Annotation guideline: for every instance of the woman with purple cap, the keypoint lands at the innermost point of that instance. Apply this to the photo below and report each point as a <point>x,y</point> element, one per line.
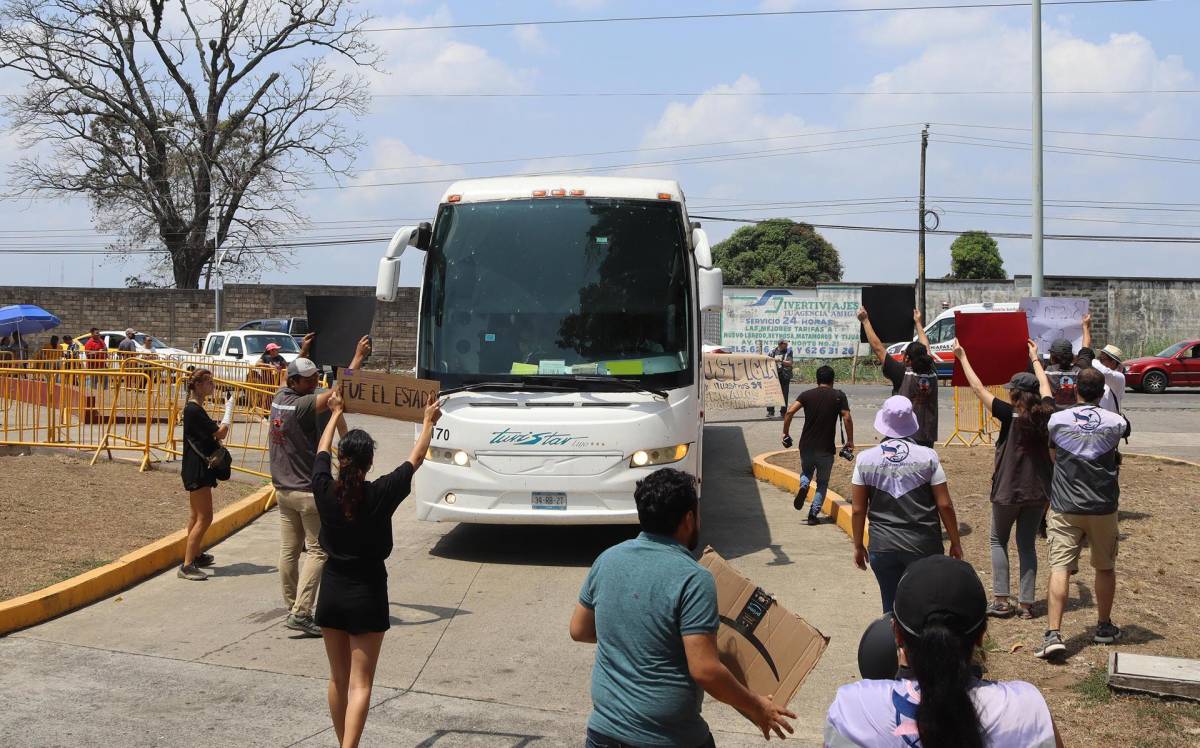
<point>900,486</point>
<point>940,619</point>
<point>1021,477</point>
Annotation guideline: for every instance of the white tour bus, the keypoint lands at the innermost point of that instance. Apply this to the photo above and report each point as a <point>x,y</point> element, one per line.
<point>562,317</point>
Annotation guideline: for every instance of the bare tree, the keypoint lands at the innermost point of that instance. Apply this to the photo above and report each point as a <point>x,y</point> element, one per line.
<point>190,125</point>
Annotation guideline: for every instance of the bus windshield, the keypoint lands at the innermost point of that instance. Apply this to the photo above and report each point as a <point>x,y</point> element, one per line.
<point>576,287</point>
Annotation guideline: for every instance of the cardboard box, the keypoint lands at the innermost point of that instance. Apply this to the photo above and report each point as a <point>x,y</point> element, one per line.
<point>389,395</point>
<point>768,648</point>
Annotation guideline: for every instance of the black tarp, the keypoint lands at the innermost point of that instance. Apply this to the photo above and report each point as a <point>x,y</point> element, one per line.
<point>339,323</point>
<point>891,312</point>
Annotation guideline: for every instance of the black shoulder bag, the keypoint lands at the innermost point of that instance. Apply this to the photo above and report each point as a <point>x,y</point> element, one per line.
<point>219,462</point>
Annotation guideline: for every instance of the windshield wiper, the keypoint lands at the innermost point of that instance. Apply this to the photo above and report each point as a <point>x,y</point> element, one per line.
<point>508,386</point>
<point>632,385</point>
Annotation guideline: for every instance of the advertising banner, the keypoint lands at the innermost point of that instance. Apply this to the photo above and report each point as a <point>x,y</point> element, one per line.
<point>736,380</point>
<point>1052,318</point>
<point>817,322</point>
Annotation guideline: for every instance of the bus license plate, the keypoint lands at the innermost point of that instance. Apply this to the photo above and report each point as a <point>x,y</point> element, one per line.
<point>549,500</point>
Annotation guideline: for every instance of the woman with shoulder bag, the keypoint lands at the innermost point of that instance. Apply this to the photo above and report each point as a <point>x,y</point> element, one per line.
<point>205,462</point>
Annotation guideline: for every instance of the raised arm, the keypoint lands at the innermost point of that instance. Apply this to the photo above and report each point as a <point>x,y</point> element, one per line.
<point>1043,381</point>
<point>1087,330</point>
<point>361,352</point>
<point>919,323</point>
<point>981,392</point>
<point>873,340</point>
<point>336,409</point>
<point>432,413</point>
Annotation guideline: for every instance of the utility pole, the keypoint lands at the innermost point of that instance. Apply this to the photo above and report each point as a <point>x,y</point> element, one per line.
<point>1037,279</point>
<point>921,227</point>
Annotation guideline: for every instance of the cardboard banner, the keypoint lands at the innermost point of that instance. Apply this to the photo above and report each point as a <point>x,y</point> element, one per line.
<point>996,343</point>
<point>389,395</point>
<point>817,322</point>
<point>1051,318</point>
<point>736,380</point>
<point>339,323</point>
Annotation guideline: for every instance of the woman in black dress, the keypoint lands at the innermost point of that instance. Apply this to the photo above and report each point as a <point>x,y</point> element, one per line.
<point>201,433</point>
<point>356,533</point>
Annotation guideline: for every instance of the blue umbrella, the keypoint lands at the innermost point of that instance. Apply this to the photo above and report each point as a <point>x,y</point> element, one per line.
<point>26,319</point>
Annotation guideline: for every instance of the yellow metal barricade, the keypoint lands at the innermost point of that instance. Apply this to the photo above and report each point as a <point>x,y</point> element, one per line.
<point>973,424</point>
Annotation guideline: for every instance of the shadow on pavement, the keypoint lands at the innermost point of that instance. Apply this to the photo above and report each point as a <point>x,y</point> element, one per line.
<point>731,518</point>
<point>531,545</point>
<point>243,569</point>
<point>425,614</point>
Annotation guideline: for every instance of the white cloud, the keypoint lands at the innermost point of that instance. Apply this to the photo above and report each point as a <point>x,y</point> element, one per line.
<point>530,39</point>
<point>913,27</point>
<point>713,116</point>
<point>438,62</point>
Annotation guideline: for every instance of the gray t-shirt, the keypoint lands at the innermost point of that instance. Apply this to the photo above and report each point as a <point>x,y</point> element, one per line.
<point>1086,465</point>
<point>648,593</point>
<point>128,345</point>
<point>295,429</point>
<point>899,476</point>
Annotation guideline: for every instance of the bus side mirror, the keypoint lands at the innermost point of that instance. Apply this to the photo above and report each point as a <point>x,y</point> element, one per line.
<point>387,282</point>
<point>711,286</point>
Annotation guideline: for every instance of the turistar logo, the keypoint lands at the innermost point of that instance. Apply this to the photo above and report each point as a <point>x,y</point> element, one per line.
<point>532,438</point>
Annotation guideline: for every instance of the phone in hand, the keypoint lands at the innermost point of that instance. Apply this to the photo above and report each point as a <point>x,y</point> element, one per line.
<point>787,441</point>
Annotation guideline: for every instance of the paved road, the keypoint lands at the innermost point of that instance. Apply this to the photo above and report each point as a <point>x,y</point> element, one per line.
<point>478,653</point>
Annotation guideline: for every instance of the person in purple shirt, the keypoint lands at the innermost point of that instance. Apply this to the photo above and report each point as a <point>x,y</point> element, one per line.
<point>940,618</point>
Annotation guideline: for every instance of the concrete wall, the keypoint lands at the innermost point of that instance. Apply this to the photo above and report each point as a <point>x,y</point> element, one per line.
<point>180,317</point>
<point>1137,314</point>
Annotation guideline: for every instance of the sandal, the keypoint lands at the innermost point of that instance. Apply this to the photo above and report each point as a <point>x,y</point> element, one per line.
<point>999,610</point>
<point>1025,612</point>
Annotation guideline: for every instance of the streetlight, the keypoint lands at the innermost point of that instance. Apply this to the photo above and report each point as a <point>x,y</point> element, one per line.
<point>220,252</point>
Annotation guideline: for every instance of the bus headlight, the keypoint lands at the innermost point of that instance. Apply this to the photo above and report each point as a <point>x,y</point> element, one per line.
<point>658,456</point>
<point>445,456</point>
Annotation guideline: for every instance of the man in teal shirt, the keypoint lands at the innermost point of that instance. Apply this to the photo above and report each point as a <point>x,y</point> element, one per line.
<point>652,611</point>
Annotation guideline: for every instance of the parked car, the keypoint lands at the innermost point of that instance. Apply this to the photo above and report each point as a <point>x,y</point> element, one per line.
<point>297,327</point>
<point>246,346</point>
<point>113,338</point>
<point>942,336</point>
<point>1176,366</point>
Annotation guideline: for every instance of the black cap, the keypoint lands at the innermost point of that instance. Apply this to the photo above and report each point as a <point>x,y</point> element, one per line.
<point>1023,381</point>
<point>940,584</point>
<point>1062,346</point>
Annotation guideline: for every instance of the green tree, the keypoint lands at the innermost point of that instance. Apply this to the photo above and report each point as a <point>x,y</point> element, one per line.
<point>974,255</point>
<point>780,253</point>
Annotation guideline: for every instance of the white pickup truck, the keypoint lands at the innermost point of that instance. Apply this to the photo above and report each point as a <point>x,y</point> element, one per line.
<point>242,347</point>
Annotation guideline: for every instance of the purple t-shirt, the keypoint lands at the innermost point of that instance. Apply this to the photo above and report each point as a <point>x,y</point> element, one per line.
<point>883,714</point>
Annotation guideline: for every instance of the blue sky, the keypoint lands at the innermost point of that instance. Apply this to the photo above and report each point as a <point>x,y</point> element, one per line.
<point>846,149</point>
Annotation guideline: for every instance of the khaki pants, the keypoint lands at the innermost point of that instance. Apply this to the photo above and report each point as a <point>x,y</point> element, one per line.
<point>1066,533</point>
<point>300,527</point>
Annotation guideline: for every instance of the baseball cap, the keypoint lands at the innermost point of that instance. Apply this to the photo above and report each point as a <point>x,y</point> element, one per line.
<point>940,584</point>
<point>271,347</point>
<point>301,367</point>
<point>1023,381</point>
<point>130,332</point>
<point>1062,346</point>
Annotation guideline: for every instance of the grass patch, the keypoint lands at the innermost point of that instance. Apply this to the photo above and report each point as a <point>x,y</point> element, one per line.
<point>75,568</point>
<point>868,371</point>
<point>1094,687</point>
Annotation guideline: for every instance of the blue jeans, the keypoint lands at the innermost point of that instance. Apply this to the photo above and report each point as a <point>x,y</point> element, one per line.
<point>889,566</point>
<point>815,465</point>
<point>600,740</point>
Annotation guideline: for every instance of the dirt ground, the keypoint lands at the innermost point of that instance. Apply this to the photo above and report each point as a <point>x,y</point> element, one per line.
<point>60,517</point>
<point>1158,582</point>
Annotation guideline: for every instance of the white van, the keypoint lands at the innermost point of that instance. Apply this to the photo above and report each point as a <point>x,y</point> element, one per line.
<point>942,336</point>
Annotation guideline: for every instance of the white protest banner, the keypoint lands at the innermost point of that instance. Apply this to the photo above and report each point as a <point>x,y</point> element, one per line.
<point>1051,318</point>
<point>735,380</point>
<point>817,322</point>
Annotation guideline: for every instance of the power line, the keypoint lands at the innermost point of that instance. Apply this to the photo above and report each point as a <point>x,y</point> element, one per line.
<point>685,94</point>
<point>1070,132</point>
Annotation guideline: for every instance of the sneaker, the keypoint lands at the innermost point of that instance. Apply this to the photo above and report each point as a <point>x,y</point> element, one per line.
<point>203,560</point>
<point>1052,646</point>
<point>1106,633</point>
<point>303,624</point>
<point>191,572</point>
<point>811,521</point>
<point>798,502</point>
<point>770,412</point>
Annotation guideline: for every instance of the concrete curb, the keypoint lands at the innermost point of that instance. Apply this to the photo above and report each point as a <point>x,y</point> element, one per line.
<point>1164,459</point>
<point>76,592</point>
<point>835,506</point>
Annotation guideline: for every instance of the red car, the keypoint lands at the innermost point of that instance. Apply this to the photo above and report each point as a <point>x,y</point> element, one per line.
<point>1177,366</point>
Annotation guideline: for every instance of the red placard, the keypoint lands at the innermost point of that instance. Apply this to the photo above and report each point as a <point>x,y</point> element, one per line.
<point>996,343</point>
